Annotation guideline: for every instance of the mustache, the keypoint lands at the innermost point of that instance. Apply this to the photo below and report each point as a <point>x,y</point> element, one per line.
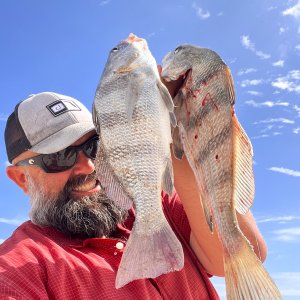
<point>77,181</point>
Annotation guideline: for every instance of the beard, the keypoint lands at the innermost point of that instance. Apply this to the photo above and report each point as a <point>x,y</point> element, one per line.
<point>85,217</point>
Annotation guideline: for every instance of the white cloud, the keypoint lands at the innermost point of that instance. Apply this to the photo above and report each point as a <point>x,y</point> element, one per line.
<point>293,11</point>
<point>220,14</point>
<point>1,241</point>
<point>266,103</point>
<point>245,40</point>
<point>254,93</point>
<point>297,47</point>
<point>14,221</point>
<point>7,163</point>
<point>288,234</point>
<point>288,283</point>
<point>3,117</point>
<point>296,130</point>
<point>150,35</point>
<point>281,30</point>
<point>248,82</point>
<point>260,137</point>
<point>278,219</point>
<point>279,63</point>
<point>297,109</point>
<point>272,8</point>
<point>200,12</point>
<point>278,120</point>
<point>246,71</point>
<point>104,2</point>
<point>289,82</point>
<point>285,171</point>
<point>299,29</point>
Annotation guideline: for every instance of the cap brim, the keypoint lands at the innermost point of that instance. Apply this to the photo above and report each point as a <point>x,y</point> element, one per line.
<point>63,138</point>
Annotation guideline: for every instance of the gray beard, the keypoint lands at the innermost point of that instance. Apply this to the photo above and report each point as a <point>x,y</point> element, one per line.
<point>86,217</point>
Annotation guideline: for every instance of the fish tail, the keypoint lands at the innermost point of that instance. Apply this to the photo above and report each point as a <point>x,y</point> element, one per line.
<point>148,256</point>
<point>246,278</point>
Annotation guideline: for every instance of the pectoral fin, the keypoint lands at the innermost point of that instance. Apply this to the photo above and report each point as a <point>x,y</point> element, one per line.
<point>242,169</point>
<point>168,178</point>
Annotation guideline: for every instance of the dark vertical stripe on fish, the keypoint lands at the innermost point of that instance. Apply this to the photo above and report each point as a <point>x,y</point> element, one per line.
<point>214,143</point>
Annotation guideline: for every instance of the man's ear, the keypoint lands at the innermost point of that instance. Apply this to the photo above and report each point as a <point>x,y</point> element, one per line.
<point>17,175</point>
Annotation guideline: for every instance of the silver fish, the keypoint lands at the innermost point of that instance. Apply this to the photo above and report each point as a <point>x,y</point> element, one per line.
<point>132,113</point>
<point>220,154</point>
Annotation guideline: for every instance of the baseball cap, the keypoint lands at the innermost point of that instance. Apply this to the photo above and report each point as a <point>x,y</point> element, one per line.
<point>46,123</point>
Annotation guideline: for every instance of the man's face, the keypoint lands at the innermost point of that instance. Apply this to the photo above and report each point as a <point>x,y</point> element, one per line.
<point>72,201</point>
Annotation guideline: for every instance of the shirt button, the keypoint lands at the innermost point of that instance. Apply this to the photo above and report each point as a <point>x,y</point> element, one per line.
<point>119,245</point>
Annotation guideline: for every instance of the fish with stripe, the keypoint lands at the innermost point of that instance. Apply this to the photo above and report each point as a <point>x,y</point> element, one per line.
<point>220,155</point>
<point>133,112</point>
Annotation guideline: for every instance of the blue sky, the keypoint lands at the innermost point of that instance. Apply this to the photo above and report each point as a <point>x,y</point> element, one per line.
<point>62,46</point>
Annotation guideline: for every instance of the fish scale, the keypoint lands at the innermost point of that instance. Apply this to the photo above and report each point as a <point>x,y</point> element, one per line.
<point>132,112</point>
<point>220,155</point>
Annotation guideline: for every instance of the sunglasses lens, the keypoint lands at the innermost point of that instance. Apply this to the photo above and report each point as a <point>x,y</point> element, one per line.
<point>60,161</point>
<point>90,148</point>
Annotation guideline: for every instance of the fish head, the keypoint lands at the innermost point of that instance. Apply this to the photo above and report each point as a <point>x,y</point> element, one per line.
<point>127,56</point>
<point>187,58</point>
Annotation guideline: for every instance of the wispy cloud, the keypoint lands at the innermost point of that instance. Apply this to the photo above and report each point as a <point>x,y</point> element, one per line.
<point>297,109</point>
<point>278,120</point>
<point>282,30</point>
<point>266,103</point>
<point>279,63</point>
<point>252,82</point>
<point>285,171</point>
<point>246,71</point>
<point>14,221</point>
<point>288,234</point>
<point>280,219</point>
<point>290,82</point>
<point>3,117</point>
<point>7,163</point>
<point>254,93</point>
<point>297,47</point>
<point>288,283</point>
<point>293,11</point>
<point>200,12</point>
<point>296,130</point>
<point>245,40</point>
<point>104,2</point>
<point>150,35</point>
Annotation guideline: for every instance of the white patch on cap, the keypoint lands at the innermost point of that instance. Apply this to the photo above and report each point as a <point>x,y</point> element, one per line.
<point>61,106</point>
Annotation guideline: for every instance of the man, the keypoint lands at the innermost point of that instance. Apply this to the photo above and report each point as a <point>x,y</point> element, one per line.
<point>73,244</point>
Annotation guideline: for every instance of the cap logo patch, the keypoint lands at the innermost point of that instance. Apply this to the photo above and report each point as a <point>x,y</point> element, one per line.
<point>61,106</point>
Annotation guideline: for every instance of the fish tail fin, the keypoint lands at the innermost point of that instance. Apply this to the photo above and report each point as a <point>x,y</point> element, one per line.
<point>150,255</point>
<point>246,278</point>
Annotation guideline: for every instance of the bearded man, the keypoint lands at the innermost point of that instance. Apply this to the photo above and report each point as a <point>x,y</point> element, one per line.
<point>72,246</point>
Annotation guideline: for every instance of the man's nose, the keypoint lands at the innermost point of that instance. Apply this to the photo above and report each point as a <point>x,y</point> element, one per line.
<point>84,165</point>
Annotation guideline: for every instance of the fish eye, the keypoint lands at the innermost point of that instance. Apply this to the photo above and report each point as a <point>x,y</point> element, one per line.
<point>177,49</point>
<point>115,49</point>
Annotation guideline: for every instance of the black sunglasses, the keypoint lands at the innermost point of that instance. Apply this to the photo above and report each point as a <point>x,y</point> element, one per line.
<point>64,159</point>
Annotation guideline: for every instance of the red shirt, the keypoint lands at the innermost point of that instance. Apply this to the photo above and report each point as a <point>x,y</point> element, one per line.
<point>42,263</point>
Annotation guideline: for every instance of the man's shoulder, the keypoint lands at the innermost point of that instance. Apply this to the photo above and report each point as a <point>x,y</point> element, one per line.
<point>28,240</point>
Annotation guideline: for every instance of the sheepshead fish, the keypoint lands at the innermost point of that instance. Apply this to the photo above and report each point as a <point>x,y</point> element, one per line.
<point>220,155</point>
<point>132,113</point>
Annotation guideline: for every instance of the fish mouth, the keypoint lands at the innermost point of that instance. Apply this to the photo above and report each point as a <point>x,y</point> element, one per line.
<point>177,82</point>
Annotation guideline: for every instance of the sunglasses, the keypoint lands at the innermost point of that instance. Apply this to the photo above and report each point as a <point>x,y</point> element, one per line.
<point>64,159</point>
